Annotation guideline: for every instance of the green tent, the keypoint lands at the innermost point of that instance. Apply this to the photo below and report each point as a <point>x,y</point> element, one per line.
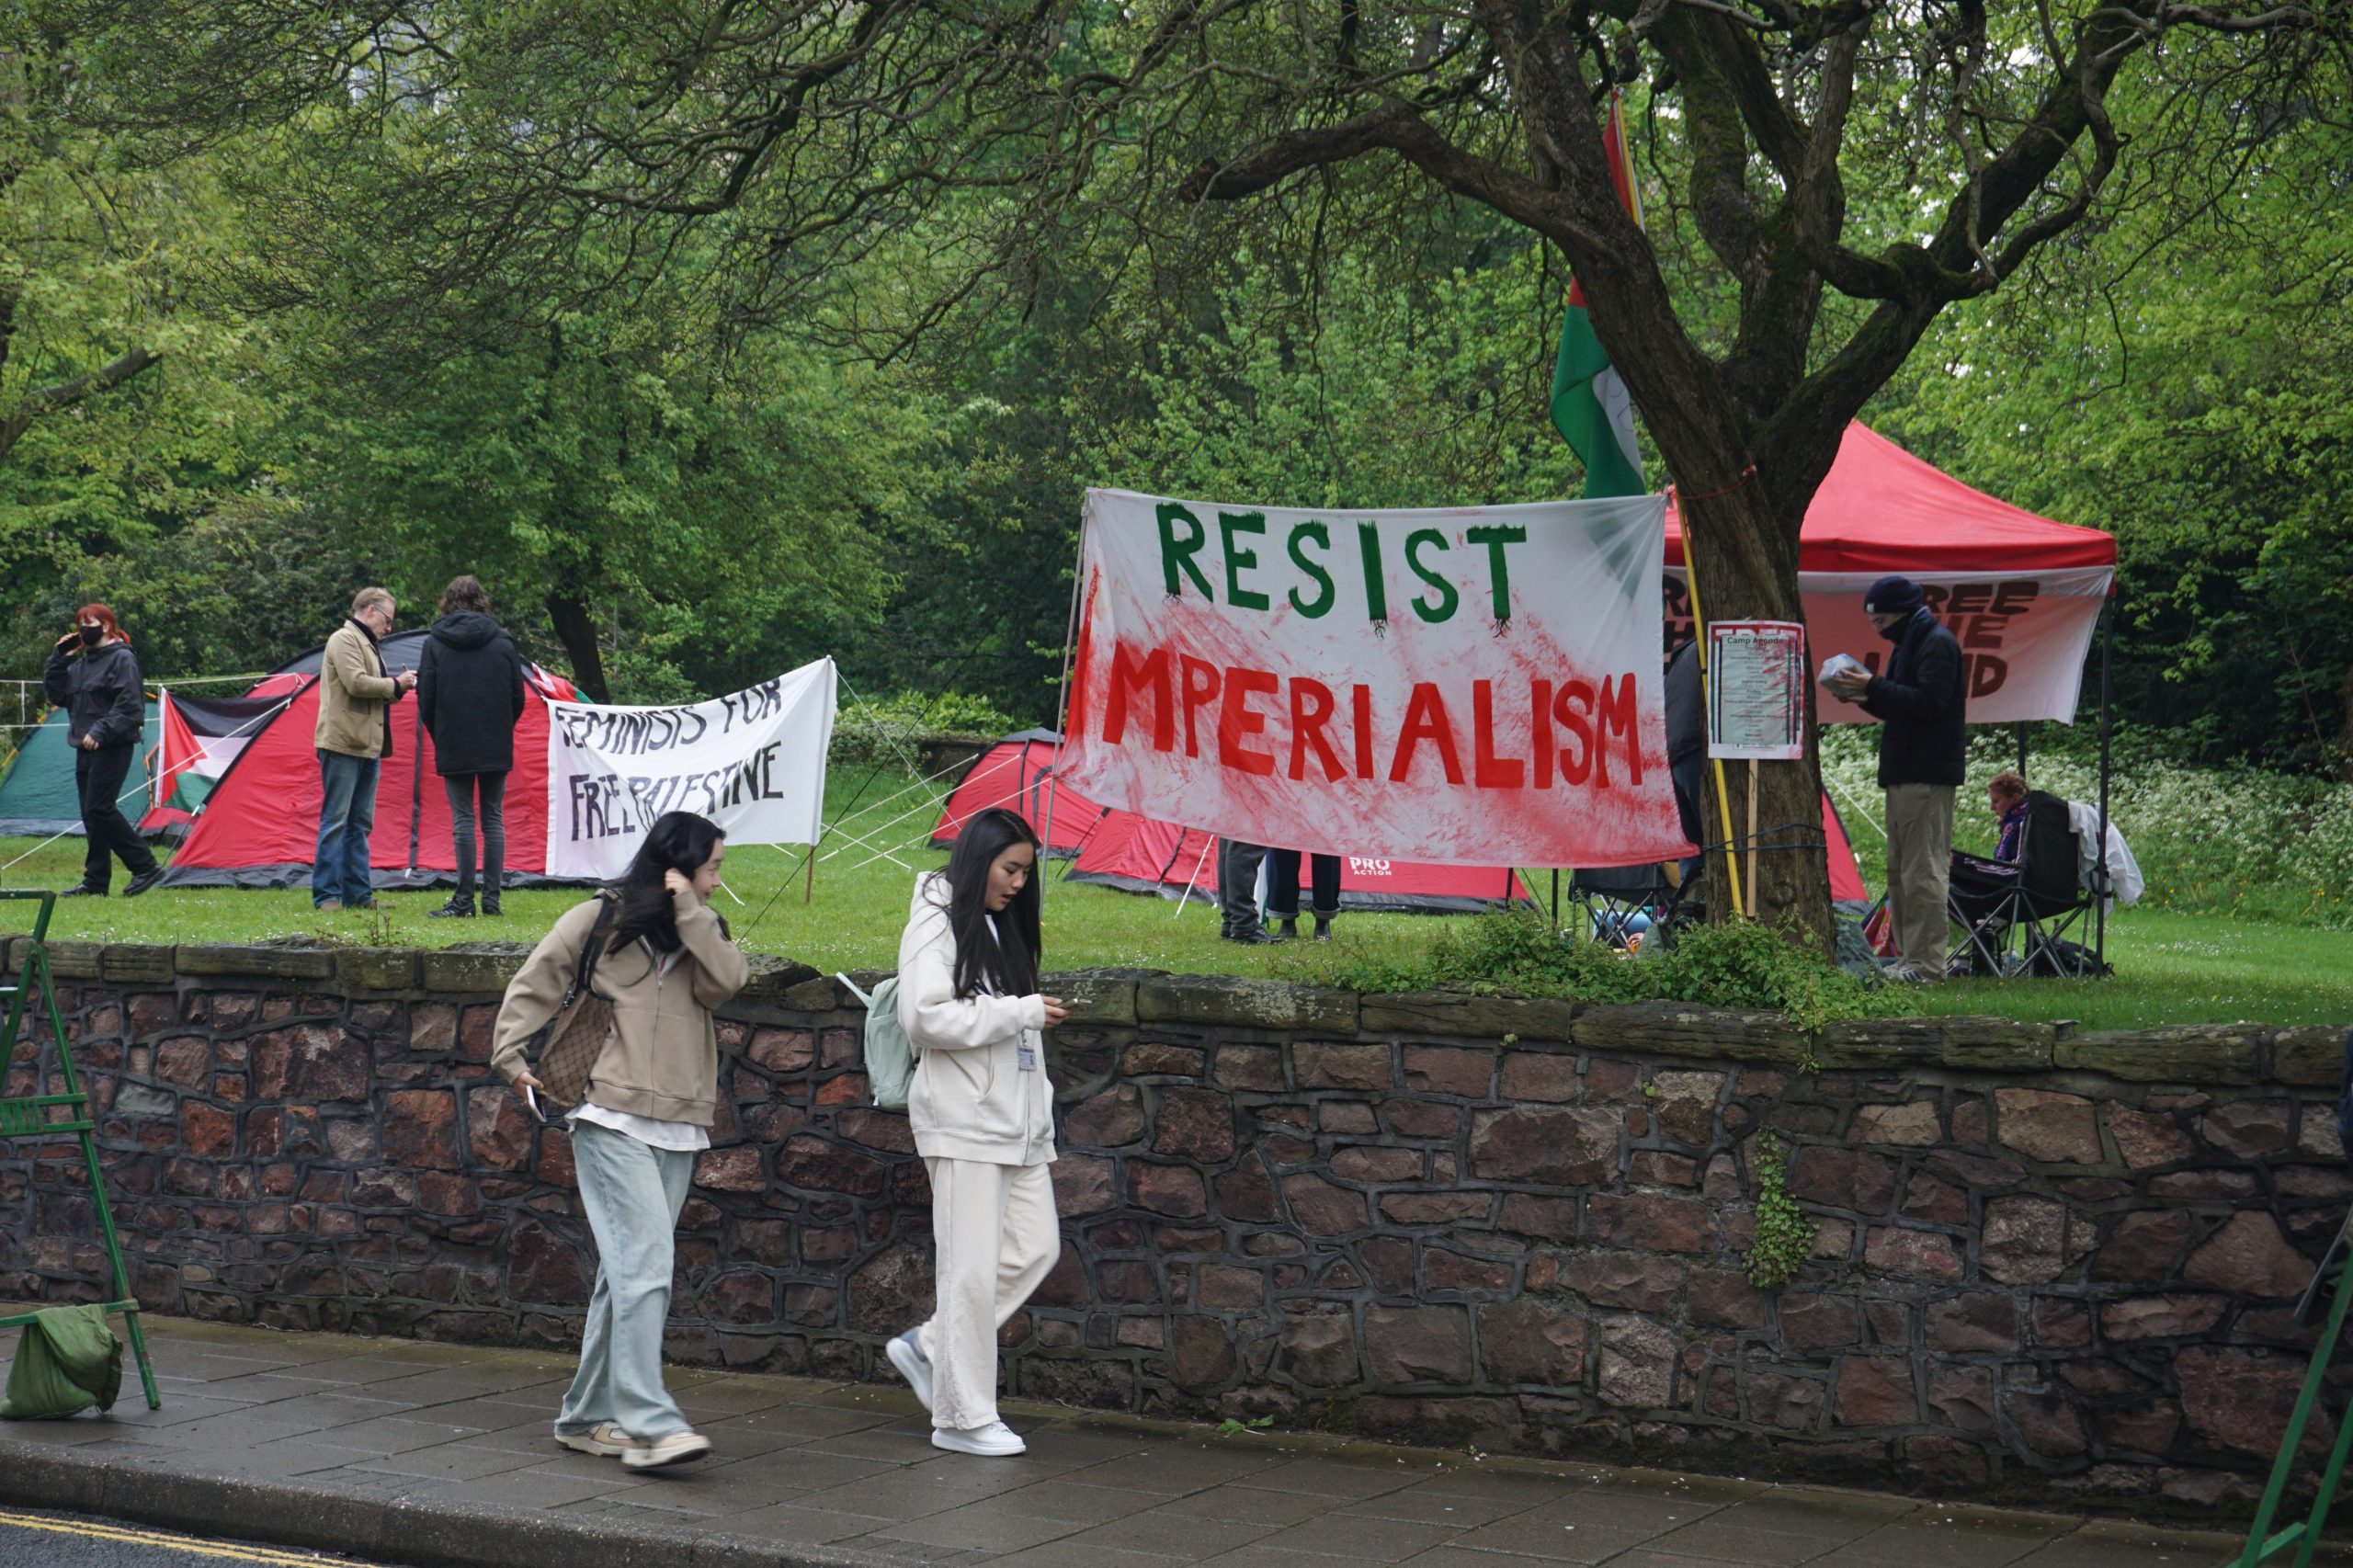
<point>37,793</point>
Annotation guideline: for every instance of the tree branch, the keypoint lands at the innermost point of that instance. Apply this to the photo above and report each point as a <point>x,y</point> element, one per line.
<point>65,394</point>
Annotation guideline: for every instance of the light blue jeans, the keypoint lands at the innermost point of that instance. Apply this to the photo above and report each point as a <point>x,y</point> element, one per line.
<point>633,1192</point>
<point>346,814</point>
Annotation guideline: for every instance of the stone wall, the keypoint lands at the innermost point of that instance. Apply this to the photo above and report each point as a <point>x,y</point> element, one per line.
<point>2048,1264</point>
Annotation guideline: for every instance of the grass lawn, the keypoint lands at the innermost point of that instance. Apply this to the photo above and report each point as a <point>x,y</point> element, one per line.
<point>2171,968</point>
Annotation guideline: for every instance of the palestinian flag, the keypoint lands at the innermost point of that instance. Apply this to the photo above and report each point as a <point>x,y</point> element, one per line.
<point>1590,407</point>
<point>202,735</point>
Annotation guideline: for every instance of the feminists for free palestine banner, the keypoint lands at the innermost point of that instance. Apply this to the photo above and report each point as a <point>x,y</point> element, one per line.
<point>754,762</point>
<point>1469,686</point>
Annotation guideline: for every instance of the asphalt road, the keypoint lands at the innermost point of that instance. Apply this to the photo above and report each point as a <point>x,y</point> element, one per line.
<point>31,1539</point>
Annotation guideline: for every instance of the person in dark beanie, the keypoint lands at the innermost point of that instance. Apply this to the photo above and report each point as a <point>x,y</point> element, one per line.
<point>1922,757</point>
<point>93,675</point>
<point>470,693</point>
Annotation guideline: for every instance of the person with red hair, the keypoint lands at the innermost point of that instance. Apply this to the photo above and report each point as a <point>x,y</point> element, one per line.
<point>93,675</point>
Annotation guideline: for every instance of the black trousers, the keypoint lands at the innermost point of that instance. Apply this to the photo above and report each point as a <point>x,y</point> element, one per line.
<point>1282,895</point>
<point>99,778</point>
<point>1237,884</point>
<point>462,788</point>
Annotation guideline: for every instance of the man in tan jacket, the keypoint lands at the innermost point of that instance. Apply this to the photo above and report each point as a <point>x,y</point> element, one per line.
<point>354,736</point>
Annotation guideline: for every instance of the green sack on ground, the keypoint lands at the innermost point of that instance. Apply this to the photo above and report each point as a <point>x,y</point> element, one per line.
<point>67,1360</point>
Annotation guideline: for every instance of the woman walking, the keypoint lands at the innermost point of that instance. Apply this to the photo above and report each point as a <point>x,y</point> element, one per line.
<point>983,1117</point>
<point>470,694</point>
<point>93,675</point>
<point>652,1096</point>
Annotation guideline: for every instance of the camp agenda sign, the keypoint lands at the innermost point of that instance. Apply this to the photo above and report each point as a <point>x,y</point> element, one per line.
<point>753,761</point>
<point>1466,686</point>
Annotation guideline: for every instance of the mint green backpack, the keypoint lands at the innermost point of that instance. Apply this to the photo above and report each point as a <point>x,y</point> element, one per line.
<point>890,1054</point>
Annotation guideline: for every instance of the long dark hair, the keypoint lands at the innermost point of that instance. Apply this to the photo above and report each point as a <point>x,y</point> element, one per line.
<point>679,841</point>
<point>1007,962</point>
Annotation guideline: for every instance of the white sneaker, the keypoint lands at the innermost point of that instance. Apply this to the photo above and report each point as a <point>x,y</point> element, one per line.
<point>995,1440</point>
<point>671,1448</point>
<point>913,1364</point>
<point>604,1439</point>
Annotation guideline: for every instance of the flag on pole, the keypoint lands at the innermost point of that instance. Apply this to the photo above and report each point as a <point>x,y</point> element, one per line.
<point>1590,405</point>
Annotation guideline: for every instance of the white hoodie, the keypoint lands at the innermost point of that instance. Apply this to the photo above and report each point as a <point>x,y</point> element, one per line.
<point>970,1097</point>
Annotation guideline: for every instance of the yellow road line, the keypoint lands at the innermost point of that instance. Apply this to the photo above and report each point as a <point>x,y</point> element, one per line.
<point>129,1536</point>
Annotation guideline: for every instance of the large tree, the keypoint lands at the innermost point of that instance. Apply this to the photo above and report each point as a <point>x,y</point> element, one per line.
<point>816,132</point>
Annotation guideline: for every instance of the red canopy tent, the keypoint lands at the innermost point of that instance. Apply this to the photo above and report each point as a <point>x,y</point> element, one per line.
<point>2023,594</point>
<point>1883,510</point>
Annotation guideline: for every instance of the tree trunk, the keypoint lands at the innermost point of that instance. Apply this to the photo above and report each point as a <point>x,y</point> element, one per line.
<point>1743,562</point>
<point>568,613</point>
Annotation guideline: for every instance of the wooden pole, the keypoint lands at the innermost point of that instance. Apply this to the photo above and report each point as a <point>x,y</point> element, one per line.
<point>1752,838</point>
<point>809,887</point>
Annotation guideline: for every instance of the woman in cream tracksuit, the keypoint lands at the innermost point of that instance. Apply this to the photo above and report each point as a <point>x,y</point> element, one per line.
<point>983,1118</point>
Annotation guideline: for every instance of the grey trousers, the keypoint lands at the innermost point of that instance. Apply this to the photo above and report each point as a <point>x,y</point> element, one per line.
<point>633,1192</point>
<point>1237,884</point>
<point>1919,863</point>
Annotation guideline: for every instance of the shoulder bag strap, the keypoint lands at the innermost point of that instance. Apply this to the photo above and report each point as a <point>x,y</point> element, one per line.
<point>608,911</point>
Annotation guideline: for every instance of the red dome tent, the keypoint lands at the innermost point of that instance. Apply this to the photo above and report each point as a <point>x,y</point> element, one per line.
<point>1121,849</point>
<point>260,824</point>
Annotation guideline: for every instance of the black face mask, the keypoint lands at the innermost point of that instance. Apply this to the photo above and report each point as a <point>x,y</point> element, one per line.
<point>92,635</point>
<point>1894,630</point>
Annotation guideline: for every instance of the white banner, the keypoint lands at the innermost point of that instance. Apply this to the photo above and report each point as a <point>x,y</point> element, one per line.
<point>2023,635</point>
<point>1478,686</point>
<point>754,762</point>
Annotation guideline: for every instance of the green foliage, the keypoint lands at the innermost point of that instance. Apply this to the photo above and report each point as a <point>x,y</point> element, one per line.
<point>886,732</point>
<point>1784,1236</point>
<point>1737,964</point>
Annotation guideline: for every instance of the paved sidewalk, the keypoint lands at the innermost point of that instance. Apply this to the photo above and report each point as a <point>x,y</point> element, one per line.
<point>433,1455</point>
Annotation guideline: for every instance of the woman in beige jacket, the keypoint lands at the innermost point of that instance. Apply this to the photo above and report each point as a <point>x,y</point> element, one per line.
<point>983,1117</point>
<point>651,1100</point>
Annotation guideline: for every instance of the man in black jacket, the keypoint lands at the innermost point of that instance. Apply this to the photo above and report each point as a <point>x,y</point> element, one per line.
<point>1922,757</point>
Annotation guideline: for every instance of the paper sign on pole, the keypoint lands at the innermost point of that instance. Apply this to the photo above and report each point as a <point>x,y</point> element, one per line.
<point>1757,690</point>
<point>1470,687</point>
<point>754,762</point>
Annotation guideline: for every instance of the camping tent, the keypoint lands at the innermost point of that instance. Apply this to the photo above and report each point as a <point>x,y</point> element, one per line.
<point>37,793</point>
<point>400,651</point>
<point>200,737</point>
<point>1121,849</point>
<point>1018,773</point>
<point>260,824</point>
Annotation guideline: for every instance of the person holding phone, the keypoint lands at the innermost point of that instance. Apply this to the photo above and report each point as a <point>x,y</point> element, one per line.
<point>983,1112</point>
<point>353,736</point>
<point>652,1098</point>
<point>93,675</point>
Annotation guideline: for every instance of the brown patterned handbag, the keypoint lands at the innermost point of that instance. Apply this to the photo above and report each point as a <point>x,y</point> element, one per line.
<point>564,1053</point>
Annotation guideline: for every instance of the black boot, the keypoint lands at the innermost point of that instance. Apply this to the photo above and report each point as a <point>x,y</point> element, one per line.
<point>460,907</point>
<point>1288,928</point>
<point>83,889</point>
<point>1322,927</point>
<point>490,897</point>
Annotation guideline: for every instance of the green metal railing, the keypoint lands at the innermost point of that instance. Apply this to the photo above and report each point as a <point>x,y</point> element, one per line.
<point>2332,1285</point>
<point>30,1116</point>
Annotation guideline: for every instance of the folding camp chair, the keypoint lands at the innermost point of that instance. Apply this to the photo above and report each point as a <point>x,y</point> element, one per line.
<point>2023,927</point>
<point>1624,906</point>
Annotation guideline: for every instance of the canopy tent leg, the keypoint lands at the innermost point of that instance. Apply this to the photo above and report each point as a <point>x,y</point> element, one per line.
<point>2099,852</point>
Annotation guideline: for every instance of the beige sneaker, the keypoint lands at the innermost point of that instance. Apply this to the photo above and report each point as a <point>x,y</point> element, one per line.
<point>604,1439</point>
<point>671,1448</point>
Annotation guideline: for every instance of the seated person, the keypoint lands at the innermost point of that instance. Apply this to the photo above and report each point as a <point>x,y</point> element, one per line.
<point>1977,886</point>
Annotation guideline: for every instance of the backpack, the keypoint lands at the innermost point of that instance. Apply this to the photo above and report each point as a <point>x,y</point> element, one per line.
<point>890,1054</point>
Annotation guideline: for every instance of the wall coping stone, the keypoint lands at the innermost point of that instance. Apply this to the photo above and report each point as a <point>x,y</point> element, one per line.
<point>1524,1020</point>
<point>253,959</point>
<point>136,963</point>
<point>1245,1001</point>
<point>2172,1053</point>
<point>377,968</point>
<point>474,966</point>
